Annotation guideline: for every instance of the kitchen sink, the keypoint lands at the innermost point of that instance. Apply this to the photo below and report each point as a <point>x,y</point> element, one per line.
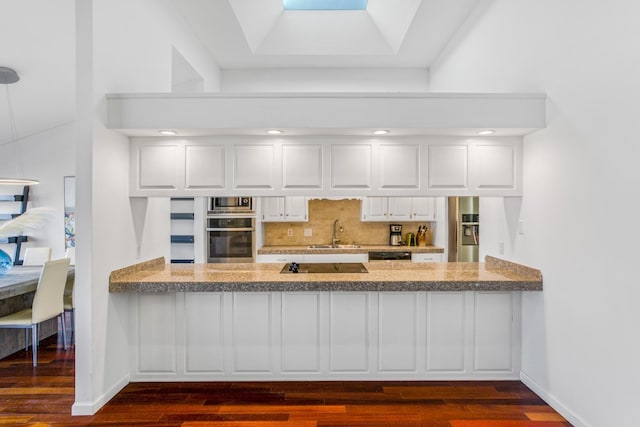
<point>334,247</point>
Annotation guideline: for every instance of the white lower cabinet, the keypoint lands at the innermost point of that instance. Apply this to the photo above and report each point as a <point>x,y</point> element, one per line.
<point>416,257</point>
<point>311,258</point>
<point>325,336</point>
<point>273,258</point>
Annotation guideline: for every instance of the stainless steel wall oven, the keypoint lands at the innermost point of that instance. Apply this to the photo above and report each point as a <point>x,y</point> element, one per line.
<point>231,239</point>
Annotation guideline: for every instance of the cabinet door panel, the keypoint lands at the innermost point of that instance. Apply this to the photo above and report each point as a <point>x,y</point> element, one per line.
<point>253,166</point>
<point>397,332</point>
<point>203,332</point>
<point>423,209</point>
<point>350,166</point>
<point>296,208</point>
<point>252,332</point>
<point>445,331</point>
<point>349,342</point>
<point>272,209</point>
<point>301,166</point>
<point>300,332</point>
<point>158,166</point>
<point>375,209</point>
<point>399,166</point>
<point>399,208</point>
<point>157,333</point>
<point>493,166</point>
<point>204,166</point>
<point>448,166</point>
<point>493,334</point>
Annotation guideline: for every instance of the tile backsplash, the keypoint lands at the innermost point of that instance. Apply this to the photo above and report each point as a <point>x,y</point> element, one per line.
<point>322,214</point>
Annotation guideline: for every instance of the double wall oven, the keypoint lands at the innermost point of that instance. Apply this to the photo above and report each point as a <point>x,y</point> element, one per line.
<point>230,230</point>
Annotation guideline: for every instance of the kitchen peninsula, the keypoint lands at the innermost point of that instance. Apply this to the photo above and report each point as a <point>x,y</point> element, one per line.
<point>396,321</point>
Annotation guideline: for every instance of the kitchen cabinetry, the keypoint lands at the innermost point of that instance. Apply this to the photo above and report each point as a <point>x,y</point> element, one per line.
<point>253,166</point>
<point>476,166</point>
<point>336,166</point>
<point>273,258</point>
<point>398,209</point>
<point>311,258</point>
<point>182,230</point>
<point>398,166</point>
<point>418,257</point>
<point>448,166</point>
<point>302,166</point>
<point>228,336</point>
<point>493,166</point>
<point>351,166</point>
<point>205,167</point>
<point>285,209</point>
<point>14,205</point>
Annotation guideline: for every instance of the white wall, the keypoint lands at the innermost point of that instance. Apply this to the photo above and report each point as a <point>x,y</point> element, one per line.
<point>325,80</point>
<point>123,46</point>
<point>580,346</point>
<point>48,157</point>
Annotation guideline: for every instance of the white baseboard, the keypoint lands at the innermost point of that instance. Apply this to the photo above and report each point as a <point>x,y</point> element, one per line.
<point>90,408</point>
<point>552,401</point>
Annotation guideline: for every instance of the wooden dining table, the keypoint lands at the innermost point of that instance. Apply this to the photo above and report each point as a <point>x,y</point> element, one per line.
<point>17,288</point>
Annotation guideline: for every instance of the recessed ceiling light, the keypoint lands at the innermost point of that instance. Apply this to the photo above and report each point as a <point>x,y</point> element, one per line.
<point>167,132</point>
<point>380,132</point>
<point>486,132</point>
<point>275,132</point>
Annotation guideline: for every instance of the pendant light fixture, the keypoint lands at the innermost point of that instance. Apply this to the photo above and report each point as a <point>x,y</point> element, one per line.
<point>9,76</point>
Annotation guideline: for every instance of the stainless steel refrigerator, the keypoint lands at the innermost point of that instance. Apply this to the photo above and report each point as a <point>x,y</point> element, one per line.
<point>464,229</point>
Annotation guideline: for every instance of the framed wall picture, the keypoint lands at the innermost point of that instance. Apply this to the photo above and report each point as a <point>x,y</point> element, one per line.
<point>69,212</point>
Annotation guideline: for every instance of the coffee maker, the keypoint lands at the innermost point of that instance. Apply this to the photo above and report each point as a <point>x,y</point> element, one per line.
<point>395,234</point>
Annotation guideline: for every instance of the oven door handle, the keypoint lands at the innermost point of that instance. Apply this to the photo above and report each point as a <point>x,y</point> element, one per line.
<point>230,229</point>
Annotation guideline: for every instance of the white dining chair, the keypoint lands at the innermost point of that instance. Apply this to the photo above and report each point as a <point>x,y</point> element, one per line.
<point>71,254</point>
<point>36,256</point>
<point>47,304</point>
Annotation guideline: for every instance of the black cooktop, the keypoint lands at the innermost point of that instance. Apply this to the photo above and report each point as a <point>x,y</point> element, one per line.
<point>324,267</point>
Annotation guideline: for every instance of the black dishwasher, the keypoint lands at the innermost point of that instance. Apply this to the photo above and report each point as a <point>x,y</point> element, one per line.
<point>389,256</point>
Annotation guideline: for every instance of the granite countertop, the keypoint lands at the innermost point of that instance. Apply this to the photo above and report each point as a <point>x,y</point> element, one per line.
<point>278,250</point>
<point>492,275</point>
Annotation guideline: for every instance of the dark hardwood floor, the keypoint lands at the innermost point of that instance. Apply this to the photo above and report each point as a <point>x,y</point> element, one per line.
<point>43,396</point>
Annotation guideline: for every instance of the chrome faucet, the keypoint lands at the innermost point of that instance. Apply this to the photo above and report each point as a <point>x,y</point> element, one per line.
<point>335,239</point>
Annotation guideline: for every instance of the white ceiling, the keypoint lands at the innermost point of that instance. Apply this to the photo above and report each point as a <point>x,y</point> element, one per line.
<point>390,33</point>
<point>38,41</point>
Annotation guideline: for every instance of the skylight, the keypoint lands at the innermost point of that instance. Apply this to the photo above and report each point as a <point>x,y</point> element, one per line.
<point>325,4</point>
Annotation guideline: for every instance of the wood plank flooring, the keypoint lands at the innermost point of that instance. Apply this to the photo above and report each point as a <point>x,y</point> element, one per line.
<point>43,396</point>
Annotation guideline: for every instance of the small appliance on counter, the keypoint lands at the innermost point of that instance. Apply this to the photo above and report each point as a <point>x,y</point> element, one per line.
<point>395,234</point>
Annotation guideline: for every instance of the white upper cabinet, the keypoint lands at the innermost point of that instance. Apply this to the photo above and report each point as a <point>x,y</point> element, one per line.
<point>448,167</point>
<point>423,208</point>
<point>398,209</point>
<point>425,166</point>
<point>302,166</point>
<point>351,166</point>
<point>285,209</point>
<point>157,166</point>
<point>253,166</point>
<point>493,166</point>
<point>375,209</point>
<point>205,166</point>
<point>398,166</point>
